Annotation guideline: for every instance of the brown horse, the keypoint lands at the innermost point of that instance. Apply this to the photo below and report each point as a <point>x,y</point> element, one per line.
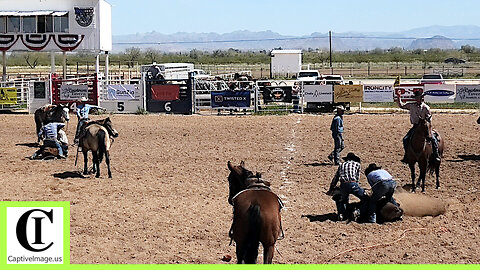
<point>98,138</point>
<point>256,215</point>
<point>420,151</point>
<point>48,114</point>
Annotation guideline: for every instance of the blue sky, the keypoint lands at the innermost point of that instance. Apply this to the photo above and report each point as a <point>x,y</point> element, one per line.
<point>300,17</point>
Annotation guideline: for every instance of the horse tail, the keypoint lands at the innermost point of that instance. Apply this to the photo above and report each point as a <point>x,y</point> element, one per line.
<point>102,146</point>
<point>432,163</point>
<point>253,237</point>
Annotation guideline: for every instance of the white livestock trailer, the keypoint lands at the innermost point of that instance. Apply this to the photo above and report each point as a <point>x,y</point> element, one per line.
<point>285,63</point>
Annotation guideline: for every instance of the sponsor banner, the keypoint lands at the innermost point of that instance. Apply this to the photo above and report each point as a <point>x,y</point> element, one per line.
<point>36,233</point>
<point>277,93</point>
<point>165,92</point>
<point>237,99</point>
<point>348,93</point>
<point>121,92</point>
<point>8,95</point>
<point>439,93</point>
<point>377,93</point>
<point>467,93</point>
<point>318,93</point>
<point>73,92</point>
<point>407,91</point>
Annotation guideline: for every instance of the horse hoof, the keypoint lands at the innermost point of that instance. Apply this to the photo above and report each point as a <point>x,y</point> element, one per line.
<point>97,175</point>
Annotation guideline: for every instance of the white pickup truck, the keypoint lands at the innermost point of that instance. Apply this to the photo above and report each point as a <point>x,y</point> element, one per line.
<point>308,75</point>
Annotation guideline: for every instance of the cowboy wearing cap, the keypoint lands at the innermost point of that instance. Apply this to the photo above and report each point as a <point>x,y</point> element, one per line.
<point>348,174</point>
<point>337,133</point>
<point>418,110</point>
<point>83,110</point>
<point>382,185</point>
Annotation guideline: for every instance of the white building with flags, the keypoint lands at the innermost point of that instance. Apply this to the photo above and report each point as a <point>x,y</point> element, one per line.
<point>55,26</point>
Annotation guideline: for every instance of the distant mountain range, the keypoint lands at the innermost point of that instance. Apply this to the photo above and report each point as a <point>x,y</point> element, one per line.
<point>443,37</point>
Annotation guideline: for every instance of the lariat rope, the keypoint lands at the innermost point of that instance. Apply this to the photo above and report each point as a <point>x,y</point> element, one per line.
<point>404,233</point>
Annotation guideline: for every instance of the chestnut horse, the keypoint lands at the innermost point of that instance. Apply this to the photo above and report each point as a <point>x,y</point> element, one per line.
<point>98,138</point>
<point>420,151</point>
<point>256,215</point>
<point>50,113</point>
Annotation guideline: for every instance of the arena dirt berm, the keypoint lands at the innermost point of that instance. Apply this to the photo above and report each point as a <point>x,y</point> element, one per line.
<point>167,200</point>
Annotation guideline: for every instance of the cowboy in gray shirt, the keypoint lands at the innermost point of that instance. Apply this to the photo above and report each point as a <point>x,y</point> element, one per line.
<point>418,110</point>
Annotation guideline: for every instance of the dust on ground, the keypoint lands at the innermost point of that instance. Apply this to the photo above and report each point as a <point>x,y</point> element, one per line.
<point>167,200</point>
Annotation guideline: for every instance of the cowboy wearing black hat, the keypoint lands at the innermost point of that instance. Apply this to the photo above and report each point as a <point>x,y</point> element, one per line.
<point>337,133</point>
<point>418,110</point>
<point>348,174</point>
<point>382,185</point>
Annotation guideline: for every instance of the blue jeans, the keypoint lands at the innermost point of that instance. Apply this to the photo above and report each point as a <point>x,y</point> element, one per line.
<point>345,190</point>
<point>384,188</point>
<point>339,146</point>
<point>54,143</point>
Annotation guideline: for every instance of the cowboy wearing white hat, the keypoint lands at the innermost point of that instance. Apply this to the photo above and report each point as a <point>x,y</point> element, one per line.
<point>337,133</point>
<point>83,110</point>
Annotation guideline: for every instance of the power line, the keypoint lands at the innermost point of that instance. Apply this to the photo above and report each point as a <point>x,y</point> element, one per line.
<point>283,39</point>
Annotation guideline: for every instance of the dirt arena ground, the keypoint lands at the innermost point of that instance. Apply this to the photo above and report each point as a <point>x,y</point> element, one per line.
<point>167,200</point>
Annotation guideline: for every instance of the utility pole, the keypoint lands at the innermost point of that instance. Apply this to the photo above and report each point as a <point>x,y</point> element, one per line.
<point>330,41</point>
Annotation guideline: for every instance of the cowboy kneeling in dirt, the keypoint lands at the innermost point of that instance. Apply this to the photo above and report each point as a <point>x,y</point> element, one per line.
<point>49,133</point>
<point>348,174</point>
<point>382,185</point>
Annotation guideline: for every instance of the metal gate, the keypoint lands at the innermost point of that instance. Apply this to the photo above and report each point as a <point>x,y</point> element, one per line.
<point>279,97</point>
<point>169,96</point>
<point>15,94</point>
<point>216,96</point>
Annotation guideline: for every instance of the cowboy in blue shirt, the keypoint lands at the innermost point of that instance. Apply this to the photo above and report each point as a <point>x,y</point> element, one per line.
<point>50,134</point>
<point>382,185</point>
<point>337,133</point>
<point>83,110</point>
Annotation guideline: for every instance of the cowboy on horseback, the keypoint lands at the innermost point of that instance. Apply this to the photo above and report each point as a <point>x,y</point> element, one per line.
<point>418,110</point>
<point>82,114</point>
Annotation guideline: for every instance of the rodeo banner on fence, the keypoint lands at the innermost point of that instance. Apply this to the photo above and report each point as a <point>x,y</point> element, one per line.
<point>468,93</point>
<point>348,93</point>
<point>8,95</point>
<point>378,93</point>
<point>318,93</point>
<point>439,93</point>
<point>277,93</point>
<point>237,99</point>
<point>73,92</point>
<point>407,91</point>
<point>121,92</point>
